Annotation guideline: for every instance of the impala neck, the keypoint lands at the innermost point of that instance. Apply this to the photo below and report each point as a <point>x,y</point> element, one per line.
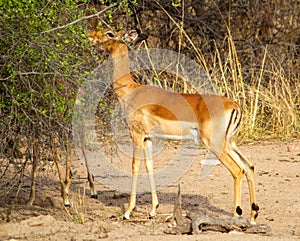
<point>122,79</point>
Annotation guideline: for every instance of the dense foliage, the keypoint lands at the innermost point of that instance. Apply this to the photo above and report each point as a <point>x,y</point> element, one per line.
<point>40,70</point>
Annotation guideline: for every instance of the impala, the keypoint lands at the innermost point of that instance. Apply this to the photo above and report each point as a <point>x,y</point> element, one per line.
<point>153,112</point>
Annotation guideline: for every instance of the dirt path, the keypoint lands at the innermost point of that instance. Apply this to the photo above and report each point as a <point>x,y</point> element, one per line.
<point>277,168</point>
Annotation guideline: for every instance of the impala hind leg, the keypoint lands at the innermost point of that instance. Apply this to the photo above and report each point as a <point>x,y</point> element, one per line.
<point>136,160</point>
<point>64,182</point>
<point>254,205</point>
<point>67,181</point>
<point>90,176</point>
<point>237,173</point>
<point>93,191</point>
<point>35,160</point>
<point>249,173</point>
<point>149,169</point>
<point>33,182</point>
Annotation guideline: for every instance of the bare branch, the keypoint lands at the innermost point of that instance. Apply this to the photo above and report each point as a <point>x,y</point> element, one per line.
<point>83,18</point>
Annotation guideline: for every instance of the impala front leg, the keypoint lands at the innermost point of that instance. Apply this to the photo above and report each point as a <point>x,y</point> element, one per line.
<point>149,169</point>
<point>136,160</point>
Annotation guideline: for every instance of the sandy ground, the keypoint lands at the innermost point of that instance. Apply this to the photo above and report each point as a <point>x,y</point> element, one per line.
<point>277,179</point>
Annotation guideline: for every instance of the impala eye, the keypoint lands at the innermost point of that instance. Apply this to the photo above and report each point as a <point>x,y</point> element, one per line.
<point>110,34</point>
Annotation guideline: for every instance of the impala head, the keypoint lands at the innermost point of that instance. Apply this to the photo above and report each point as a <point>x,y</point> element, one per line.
<point>108,39</point>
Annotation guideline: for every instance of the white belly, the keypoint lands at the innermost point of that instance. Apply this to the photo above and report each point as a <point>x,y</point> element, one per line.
<point>176,131</point>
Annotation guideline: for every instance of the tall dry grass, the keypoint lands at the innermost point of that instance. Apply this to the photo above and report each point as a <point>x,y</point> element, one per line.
<point>269,98</point>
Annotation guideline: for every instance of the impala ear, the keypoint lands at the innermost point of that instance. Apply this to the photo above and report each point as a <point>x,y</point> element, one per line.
<point>131,36</point>
<point>135,36</point>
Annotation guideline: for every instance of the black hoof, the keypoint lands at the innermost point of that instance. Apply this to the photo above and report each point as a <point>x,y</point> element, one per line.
<point>95,196</point>
<point>255,207</point>
<point>238,210</point>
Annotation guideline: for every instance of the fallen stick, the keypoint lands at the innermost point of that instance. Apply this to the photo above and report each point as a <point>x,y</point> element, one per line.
<point>198,223</point>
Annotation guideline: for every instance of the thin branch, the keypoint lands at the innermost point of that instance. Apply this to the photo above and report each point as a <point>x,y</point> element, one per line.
<point>83,18</point>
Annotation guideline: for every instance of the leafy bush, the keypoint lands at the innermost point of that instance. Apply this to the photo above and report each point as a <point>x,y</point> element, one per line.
<point>40,74</point>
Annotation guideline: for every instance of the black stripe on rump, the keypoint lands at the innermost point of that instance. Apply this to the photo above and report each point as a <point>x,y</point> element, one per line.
<point>236,121</point>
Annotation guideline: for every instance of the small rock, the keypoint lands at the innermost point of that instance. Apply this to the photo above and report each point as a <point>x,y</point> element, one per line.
<point>292,148</point>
